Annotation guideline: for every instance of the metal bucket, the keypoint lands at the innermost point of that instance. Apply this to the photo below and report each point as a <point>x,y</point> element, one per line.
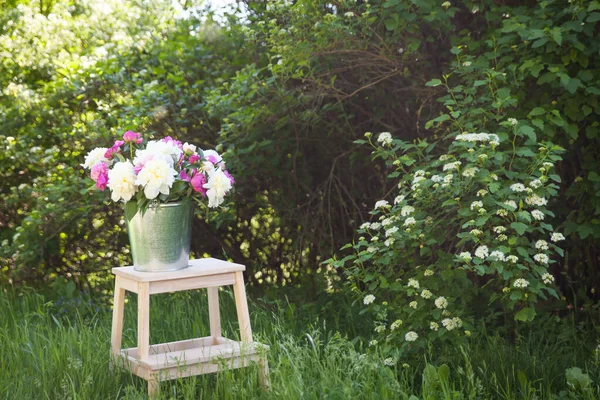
<point>160,239</point>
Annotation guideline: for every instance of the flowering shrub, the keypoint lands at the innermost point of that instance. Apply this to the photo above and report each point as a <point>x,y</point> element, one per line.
<point>466,234</point>
<point>164,170</point>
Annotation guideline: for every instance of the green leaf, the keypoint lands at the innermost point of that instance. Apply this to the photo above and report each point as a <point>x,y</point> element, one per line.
<point>577,380</point>
<point>434,83</point>
<point>391,24</point>
<point>593,17</point>
<point>525,315</point>
<point>537,111</point>
<point>556,35</point>
<point>573,84</point>
<point>444,372</point>
<point>130,209</point>
<point>519,227</point>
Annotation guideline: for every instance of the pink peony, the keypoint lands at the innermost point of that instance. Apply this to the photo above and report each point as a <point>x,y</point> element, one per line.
<point>197,182</point>
<point>132,137</point>
<point>228,175</point>
<point>114,150</point>
<point>184,176</point>
<point>99,174</point>
<point>174,142</point>
<point>194,158</point>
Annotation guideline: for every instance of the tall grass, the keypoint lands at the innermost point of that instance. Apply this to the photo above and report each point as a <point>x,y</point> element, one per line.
<point>43,356</point>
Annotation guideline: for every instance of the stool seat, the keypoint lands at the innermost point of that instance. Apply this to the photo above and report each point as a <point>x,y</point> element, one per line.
<point>193,356</point>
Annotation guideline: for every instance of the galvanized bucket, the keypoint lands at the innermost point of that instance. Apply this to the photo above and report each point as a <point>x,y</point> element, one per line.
<point>160,239</point>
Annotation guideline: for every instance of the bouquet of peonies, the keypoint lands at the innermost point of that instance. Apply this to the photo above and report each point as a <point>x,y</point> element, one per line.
<point>163,170</point>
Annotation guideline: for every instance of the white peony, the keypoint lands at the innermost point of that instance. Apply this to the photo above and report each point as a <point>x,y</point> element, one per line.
<point>121,181</point>
<point>166,151</point>
<point>217,157</point>
<point>189,148</point>
<point>218,185</point>
<point>157,176</point>
<point>94,157</point>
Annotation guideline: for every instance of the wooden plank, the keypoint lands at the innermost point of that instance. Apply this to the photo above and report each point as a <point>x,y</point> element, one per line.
<point>143,320</point>
<point>200,355</point>
<point>199,267</point>
<point>177,346</point>
<point>205,368</point>
<point>200,282</point>
<point>263,373</point>
<point>117,319</point>
<point>241,305</point>
<point>184,363</point>
<point>128,284</point>
<point>214,313</point>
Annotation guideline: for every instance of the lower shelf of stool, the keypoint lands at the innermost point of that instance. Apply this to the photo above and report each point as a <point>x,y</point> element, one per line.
<point>192,357</point>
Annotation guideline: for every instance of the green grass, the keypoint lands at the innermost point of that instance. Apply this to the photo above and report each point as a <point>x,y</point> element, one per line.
<point>44,356</point>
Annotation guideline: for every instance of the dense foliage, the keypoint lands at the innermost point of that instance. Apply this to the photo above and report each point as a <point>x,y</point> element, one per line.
<point>287,88</point>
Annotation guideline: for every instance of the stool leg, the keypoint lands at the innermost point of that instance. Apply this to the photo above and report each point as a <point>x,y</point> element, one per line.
<point>153,388</point>
<point>241,304</point>
<point>117,321</point>
<point>263,373</point>
<point>143,320</point>
<point>214,313</point>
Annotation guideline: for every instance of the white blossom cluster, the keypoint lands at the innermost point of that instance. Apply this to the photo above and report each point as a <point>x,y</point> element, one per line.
<point>476,205</point>
<point>452,323</point>
<point>411,336</point>
<point>482,252</point>
<point>368,299</point>
<point>451,166</point>
<point>407,210</point>
<point>535,200</point>
<point>396,324</point>
<point>518,187</point>
<point>497,255</point>
<point>521,283</point>
<point>547,278</point>
<point>441,302</point>
<point>389,362</point>
<point>477,137</point>
<point>391,231</point>
<point>413,283</point>
<point>381,204</point>
<point>537,214</point>
<point>399,199</point>
<point>470,172</point>
<point>536,183</point>
<point>557,237</point>
<point>385,138</point>
<point>410,221</point>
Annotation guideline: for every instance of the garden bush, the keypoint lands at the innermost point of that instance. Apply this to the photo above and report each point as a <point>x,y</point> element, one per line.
<point>470,234</point>
<point>287,88</point>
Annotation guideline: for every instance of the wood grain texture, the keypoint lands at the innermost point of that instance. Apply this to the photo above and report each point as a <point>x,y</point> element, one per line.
<point>214,312</point>
<point>199,267</point>
<point>241,305</point>
<point>143,320</point>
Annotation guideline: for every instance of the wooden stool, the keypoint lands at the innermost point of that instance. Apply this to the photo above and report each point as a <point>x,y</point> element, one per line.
<point>173,360</point>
